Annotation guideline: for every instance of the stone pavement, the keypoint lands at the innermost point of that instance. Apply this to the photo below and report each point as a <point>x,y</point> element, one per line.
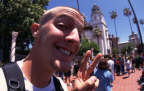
<point>124,83</point>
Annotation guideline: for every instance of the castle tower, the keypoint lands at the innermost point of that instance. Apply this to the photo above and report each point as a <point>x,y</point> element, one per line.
<point>99,32</point>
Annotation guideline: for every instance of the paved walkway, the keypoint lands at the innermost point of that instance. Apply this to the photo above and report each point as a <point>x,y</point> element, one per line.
<point>124,83</point>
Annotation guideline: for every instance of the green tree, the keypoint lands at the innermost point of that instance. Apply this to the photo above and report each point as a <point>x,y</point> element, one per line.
<point>134,20</point>
<point>97,33</point>
<point>115,51</point>
<point>127,49</point>
<point>113,16</point>
<point>127,13</point>
<point>88,45</point>
<point>140,49</point>
<point>18,15</point>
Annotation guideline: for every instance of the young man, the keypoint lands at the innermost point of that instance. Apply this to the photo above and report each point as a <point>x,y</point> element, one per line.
<point>56,42</point>
<point>111,65</point>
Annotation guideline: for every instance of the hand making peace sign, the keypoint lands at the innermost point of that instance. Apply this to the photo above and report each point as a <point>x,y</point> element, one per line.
<point>83,81</point>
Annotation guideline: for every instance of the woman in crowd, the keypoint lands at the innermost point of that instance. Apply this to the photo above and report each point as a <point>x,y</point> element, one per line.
<point>105,76</point>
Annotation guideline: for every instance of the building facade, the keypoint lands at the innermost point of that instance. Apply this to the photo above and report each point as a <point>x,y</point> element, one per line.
<point>97,30</point>
<point>113,41</point>
<point>133,41</point>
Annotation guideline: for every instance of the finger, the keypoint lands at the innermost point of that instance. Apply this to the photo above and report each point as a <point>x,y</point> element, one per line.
<point>97,83</point>
<point>78,84</point>
<point>84,61</point>
<point>90,83</point>
<point>93,65</point>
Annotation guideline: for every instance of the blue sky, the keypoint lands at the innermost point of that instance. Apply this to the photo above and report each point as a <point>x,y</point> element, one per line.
<point>106,6</point>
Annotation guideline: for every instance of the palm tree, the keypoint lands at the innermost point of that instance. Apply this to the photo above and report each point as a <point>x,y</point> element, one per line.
<point>142,22</point>
<point>113,16</point>
<point>136,22</point>
<point>78,4</point>
<point>97,33</point>
<point>127,13</point>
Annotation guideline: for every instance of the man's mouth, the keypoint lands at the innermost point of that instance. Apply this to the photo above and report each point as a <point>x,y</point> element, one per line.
<point>64,51</point>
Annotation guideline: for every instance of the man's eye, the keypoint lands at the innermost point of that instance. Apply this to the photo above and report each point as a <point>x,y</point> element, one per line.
<point>61,26</point>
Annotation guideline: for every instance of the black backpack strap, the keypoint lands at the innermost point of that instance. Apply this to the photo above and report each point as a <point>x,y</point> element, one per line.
<point>57,84</point>
<point>14,77</point>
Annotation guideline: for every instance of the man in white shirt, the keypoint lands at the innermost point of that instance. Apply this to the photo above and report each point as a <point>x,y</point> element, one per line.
<point>56,42</point>
<point>111,64</point>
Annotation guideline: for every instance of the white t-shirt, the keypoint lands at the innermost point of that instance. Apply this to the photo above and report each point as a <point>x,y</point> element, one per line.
<point>111,65</point>
<point>128,64</point>
<point>28,85</point>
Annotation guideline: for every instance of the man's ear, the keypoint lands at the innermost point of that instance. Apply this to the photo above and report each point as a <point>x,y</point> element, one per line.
<point>34,29</point>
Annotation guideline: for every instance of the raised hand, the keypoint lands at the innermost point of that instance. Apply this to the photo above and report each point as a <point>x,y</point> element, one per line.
<point>83,81</point>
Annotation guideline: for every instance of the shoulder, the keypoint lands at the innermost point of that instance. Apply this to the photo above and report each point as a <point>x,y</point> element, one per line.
<point>108,72</point>
<point>3,84</point>
<point>110,61</point>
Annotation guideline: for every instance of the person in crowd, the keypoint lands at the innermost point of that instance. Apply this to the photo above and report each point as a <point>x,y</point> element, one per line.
<point>122,63</point>
<point>111,65</point>
<point>128,65</point>
<point>142,60</point>
<point>105,76</point>
<point>67,76</point>
<point>133,64</point>
<point>76,67</point>
<point>142,74</point>
<point>139,61</point>
<point>118,66</point>
<point>56,43</point>
<point>115,66</point>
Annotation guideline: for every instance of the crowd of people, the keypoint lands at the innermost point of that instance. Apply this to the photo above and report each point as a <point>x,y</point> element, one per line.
<point>107,68</point>
<point>127,64</point>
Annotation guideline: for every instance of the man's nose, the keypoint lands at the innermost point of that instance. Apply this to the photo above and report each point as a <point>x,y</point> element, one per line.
<point>73,36</point>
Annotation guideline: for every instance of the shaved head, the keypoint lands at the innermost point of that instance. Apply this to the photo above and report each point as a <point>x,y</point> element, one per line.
<point>62,10</point>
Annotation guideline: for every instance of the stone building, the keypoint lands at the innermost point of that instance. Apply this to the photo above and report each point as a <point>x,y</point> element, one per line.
<point>133,39</point>
<point>97,31</point>
<point>113,41</point>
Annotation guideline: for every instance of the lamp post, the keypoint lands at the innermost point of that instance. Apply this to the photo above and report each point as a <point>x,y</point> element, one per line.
<point>136,21</point>
<point>14,37</point>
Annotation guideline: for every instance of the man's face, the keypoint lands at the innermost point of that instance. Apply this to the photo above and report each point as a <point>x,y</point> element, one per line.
<point>59,42</point>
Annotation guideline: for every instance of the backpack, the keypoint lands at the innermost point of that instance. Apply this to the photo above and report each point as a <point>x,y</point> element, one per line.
<point>15,80</point>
